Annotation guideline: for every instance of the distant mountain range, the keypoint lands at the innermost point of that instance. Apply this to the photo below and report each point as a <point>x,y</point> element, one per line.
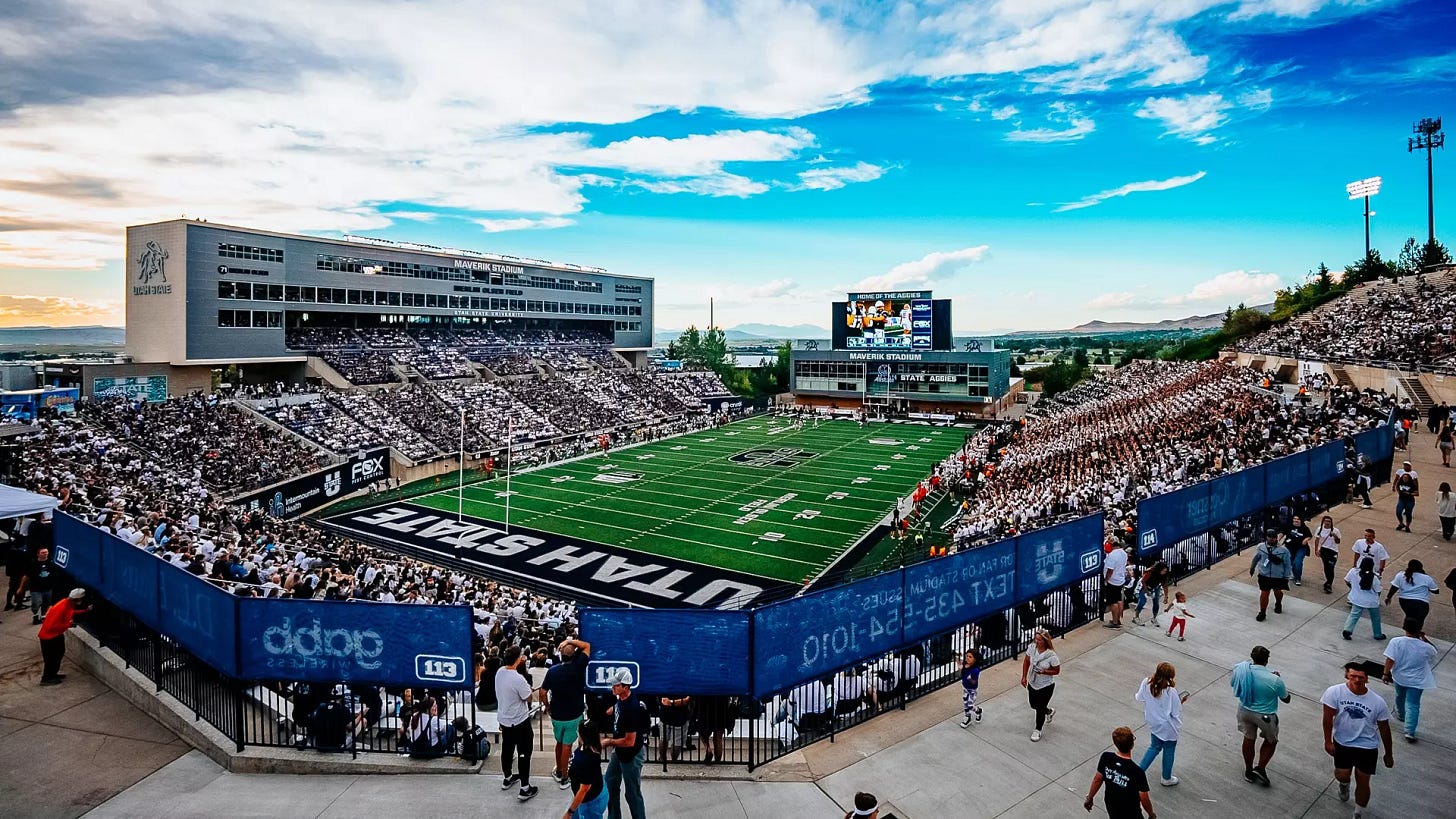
<point>90,336</point>
<point>752,332</point>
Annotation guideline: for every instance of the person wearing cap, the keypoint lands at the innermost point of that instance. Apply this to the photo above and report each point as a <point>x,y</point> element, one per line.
<point>1274,564</point>
<point>866,806</point>
<point>630,727</point>
<point>1407,487</point>
<point>52,635</point>
<point>1259,691</point>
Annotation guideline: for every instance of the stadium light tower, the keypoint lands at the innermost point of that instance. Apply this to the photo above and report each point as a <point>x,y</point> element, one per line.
<point>1428,137</point>
<point>1364,189</point>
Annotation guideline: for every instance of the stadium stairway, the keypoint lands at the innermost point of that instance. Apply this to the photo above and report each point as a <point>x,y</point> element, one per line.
<point>1417,392</point>
<point>1342,378</point>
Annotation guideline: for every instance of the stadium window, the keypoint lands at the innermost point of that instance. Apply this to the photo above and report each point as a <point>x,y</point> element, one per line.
<point>353,296</point>
<point>634,326</point>
<point>393,299</point>
<point>325,296</point>
<point>275,292</point>
<point>224,290</point>
<point>290,293</point>
<point>224,318</point>
<point>242,318</point>
<point>366,296</point>
<point>519,305</point>
<point>275,318</point>
<point>382,297</point>
<point>594,309</point>
<point>307,294</point>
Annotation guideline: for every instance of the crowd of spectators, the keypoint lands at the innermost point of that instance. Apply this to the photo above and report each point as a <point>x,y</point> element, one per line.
<point>1408,322</point>
<point>1145,429</point>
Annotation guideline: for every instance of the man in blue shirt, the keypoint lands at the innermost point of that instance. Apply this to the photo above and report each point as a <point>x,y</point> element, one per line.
<point>1259,691</point>
<point>564,693</point>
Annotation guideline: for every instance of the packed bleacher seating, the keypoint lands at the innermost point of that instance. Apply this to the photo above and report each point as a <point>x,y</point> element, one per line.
<point>213,441</point>
<point>389,426</point>
<point>321,421</point>
<point>1409,322</point>
<point>1145,429</point>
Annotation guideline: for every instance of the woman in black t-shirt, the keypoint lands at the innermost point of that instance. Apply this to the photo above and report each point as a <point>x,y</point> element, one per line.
<point>585,773</point>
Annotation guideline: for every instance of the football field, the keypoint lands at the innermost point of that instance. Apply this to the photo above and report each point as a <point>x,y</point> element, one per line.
<point>756,497</point>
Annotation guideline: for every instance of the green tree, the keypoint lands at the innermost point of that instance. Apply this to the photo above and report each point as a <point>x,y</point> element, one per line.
<point>1323,281</point>
<point>1433,254</point>
<point>781,367</point>
<point>1411,257</point>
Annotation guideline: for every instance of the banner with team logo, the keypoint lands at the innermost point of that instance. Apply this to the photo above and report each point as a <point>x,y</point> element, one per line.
<point>311,491</point>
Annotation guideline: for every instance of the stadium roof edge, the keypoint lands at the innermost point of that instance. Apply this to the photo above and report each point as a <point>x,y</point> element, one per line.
<point>448,253</point>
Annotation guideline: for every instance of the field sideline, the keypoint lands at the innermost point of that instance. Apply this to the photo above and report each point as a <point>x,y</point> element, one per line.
<point>757,496</point>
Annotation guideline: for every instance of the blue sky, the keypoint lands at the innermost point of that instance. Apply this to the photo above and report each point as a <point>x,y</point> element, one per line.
<point>1042,162</point>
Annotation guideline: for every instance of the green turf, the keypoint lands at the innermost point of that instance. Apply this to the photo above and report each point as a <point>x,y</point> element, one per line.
<point>691,500</point>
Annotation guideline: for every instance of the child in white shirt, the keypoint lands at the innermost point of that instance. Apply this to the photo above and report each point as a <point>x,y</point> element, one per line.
<point>1179,607</point>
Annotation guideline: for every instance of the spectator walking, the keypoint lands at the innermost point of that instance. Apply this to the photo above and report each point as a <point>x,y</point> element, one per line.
<point>1364,586</point>
<point>1296,539</point>
<point>1368,546</point>
<point>1154,586</point>
<point>1271,562</point>
<point>1352,715</point>
<point>563,691</point>
<point>1259,692</point>
<point>1410,664</point>
<point>1127,794</point>
<point>630,727</point>
<point>1114,578</point>
<point>1039,669</point>
<point>970,685</point>
<point>1446,510</point>
<point>1415,588</point>
<point>585,773</point>
<point>40,579</point>
<point>513,711</point>
<point>1407,486</point>
<point>1327,541</point>
<point>1163,710</point>
<point>52,635</point>
<point>1179,608</point>
<point>1444,442</point>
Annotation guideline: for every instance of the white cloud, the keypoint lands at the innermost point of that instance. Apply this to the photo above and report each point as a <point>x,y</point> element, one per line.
<point>21,311</point>
<point>1191,117</point>
<point>694,155</point>
<point>770,290</point>
<point>931,267</point>
<point>1005,112</point>
<point>1235,286</point>
<point>719,184</point>
<point>523,223</point>
<point>828,179</point>
<point>1131,187</point>
<point>1067,123</point>
<point>1223,290</point>
<point>1107,300</point>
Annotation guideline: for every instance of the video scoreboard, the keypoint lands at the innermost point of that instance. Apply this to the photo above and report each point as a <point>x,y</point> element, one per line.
<point>892,320</point>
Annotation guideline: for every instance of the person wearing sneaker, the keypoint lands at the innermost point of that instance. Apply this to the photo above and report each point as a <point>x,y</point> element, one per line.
<point>1297,538</point>
<point>1114,578</point>
<point>1039,669</point>
<point>1272,561</point>
<point>585,772</point>
<point>513,695</point>
<point>1415,588</point>
<point>1410,662</point>
<point>1154,586</point>
<point>52,635</point>
<point>970,685</point>
<point>1364,586</point>
<point>630,727</point>
<point>1327,542</point>
<point>1352,716</point>
<point>563,691</point>
<point>1407,487</point>
<point>1127,794</point>
<point>1259,691</point>
<point>1163,710</point>
<point>39,579</point>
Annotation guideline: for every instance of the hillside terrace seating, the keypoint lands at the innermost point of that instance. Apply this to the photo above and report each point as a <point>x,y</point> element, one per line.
<point>1404,323</point>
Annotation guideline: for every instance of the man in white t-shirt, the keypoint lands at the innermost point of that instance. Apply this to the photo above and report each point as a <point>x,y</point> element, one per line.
<point>1368,546</point>
<point>1352,716</point>
<point>1114,577</point>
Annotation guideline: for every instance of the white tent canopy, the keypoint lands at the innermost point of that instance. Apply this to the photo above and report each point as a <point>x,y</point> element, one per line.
<point>17,502</point>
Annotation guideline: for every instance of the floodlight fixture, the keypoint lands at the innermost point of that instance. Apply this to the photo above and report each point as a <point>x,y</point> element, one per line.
<point>1363,187</point>
<point>1428,137</point>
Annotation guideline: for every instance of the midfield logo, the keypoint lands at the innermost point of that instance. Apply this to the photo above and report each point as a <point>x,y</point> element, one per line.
<point>618,476</point>
<point>781,458</point>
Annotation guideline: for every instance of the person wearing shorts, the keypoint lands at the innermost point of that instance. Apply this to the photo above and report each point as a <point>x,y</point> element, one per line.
<point>1273,563</point>
<point>563,692</point>
<point>1259,691</point>
<point>1353,714</point>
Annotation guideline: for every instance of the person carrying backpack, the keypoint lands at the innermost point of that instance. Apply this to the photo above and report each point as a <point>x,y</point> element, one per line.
<point>1272,562</point>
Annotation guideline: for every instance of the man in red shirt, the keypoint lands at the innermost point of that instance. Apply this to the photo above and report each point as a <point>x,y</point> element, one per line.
<point>53,635</point>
